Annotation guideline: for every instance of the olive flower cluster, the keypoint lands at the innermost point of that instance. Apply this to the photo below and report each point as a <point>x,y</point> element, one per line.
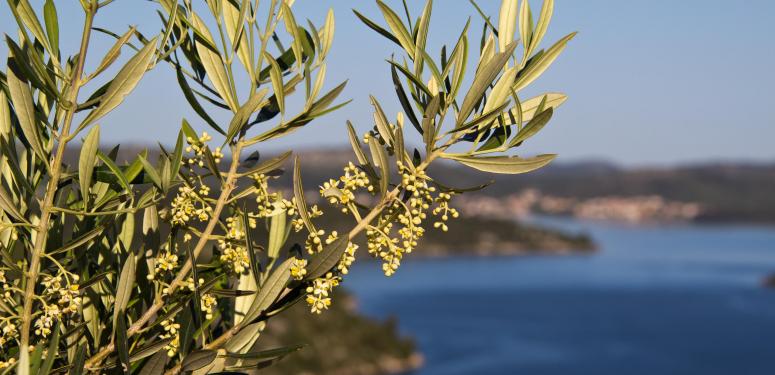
<point>318,292</point>
<point>58,301</point>
<point>234,254</point>
<point>341,192</point>
<point>409,214</point>
<point>189,204</point>
<point>8,329</point>
<point>171,329</point>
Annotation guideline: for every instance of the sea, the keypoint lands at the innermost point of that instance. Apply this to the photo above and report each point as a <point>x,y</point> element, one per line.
<point>654,299</point>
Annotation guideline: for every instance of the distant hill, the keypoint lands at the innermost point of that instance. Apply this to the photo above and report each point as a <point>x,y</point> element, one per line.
<point>728,192</point>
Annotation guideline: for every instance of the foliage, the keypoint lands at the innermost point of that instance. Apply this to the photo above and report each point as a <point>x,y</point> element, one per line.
<point>153,266</point>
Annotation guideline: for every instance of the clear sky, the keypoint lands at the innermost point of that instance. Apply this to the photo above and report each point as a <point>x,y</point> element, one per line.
<point>650,82</point>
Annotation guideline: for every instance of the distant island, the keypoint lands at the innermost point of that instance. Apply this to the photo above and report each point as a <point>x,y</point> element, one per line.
<point>339,342</point>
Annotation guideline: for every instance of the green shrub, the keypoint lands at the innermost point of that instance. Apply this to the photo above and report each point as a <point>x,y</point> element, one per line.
<point>153,266</point>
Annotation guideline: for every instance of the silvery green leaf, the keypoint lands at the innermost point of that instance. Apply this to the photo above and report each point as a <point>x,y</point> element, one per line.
<point>234,14</point>
<point>87,160</point>
<point>292,28</point>
<point>530,106</point>
<point>534,69</point>
<point>404,100</point>
<point>327,34</point>
<point>503,164</point>
<point>429,128</point>
<point>507,23</point>
<point>126,80</point>
<point>52,25</point>
<point>502,89</point>
<point>484,77</point>
<point>319,80</point>
<point>533,126</point>
<point>198,359</point>
<point>298,194</point>
<point>122,343</point>
<point>21,97</point>
<point>543,24</point>
<point>374,26</point>
<point>380,159</point>
<point>150,171</point>
<point>242,115</point>
<point>319,106</point>
<point>213,63</point>
<point>245,338</point>
<point>355,143</point>
<point>5,116</point>
<point>326,260</point>
<point>422,37</point>
<point>108,162</point>
<point>194,103</point>
<point>30,19</point>
<point>8,205</point>
<point>525,23</point>
<point>277,230</point>
<point>114,51</point>
<point>266,354</point>
<point>148,350</point>
<point>276,75</point>
<point>398,28</point>
<point>381,121</point>
<point>126,282</point>
<point>269,165</point>
<point>270,290</point>
<point>247,282</point>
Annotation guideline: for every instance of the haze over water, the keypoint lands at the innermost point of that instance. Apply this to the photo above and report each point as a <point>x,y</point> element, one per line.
<point>653,300</point>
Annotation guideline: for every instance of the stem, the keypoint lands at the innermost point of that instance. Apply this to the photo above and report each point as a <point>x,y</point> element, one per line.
<point>48,199</point>
<point>226,190</point>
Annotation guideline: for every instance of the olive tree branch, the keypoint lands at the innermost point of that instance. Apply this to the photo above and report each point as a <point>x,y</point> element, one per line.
<point>51,190</point>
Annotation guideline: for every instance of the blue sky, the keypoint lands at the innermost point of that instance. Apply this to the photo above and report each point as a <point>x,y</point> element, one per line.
<point>650,82</point>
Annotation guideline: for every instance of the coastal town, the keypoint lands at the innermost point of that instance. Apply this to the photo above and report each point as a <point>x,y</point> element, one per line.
<point>636,209</point>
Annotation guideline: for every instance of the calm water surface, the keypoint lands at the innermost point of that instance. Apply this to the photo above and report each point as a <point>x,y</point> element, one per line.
<point>653,300</point>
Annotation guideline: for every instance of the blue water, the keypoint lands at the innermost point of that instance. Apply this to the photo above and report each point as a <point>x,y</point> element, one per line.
<point>653,300</point>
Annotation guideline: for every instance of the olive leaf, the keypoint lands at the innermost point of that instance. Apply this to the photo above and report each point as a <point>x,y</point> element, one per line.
<point>126,80</point>
<point>536,67</point>
<point>380,159</point>
<point>355,143</point>
<point>507,23</point>
<point>327,259</point>
<point>21,97</point>
<point>87,160</point>
<point>241,116</point>
<point>542,25</point>
<point>198,359</point>
<point>212,62</point>
<point>533,126</point>
<point>245,338</point>
<point>327,34</point>
<point>270,290</point>
<point>397,27</point>
<point>484,77</point>
<point>530,107</point>
<point>298,195</point>
<point>503,164</point>
<point>126,282</point>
